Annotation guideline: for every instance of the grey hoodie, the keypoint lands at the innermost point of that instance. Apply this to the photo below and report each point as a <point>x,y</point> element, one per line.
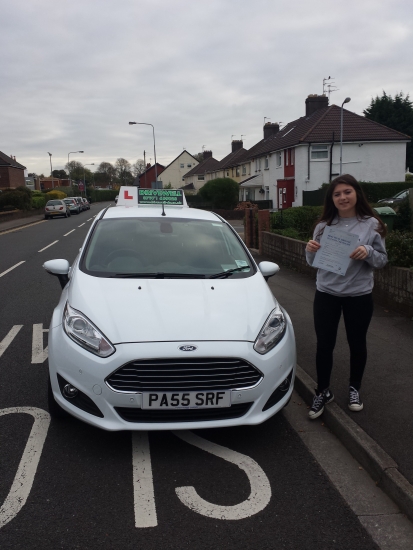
<point>359,277</point>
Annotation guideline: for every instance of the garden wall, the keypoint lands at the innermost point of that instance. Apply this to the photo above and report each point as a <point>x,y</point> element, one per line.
<point>393,286</point>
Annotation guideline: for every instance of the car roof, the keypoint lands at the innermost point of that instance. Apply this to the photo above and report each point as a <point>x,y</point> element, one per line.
<point>155,211</point>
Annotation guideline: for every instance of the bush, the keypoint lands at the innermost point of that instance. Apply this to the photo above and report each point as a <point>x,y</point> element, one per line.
<point>98,195</point>
<point>38,201</point>
<point>400,249</point>
<point>222,192</point>
<point>403,218</point>
<point>15,198</point>
<point>290,232</point>
<point>53,195</point>
<point>409,177</point>
<point>301,218</point>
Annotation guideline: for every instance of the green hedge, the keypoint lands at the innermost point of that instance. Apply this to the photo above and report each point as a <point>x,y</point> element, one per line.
<point>17,198</point>
<point>100,195</point>
<point>301,219</point>
<point>373,191</point>
<point>39,201</point>
<point>400,249</point>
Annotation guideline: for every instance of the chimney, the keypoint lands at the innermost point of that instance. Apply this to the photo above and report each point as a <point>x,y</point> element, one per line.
<point>236,144</point>
<point>207,154</point>
<point>270,129</point>
<point>148,165</point>
<point>315,102</point>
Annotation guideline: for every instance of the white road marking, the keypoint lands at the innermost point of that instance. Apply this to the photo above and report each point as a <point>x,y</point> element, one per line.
<point>23,480</point>
<point>66,234</point>
<point>89,219</point>
<point>11,268</point>
<point>8,339</point>
<point>39,355</point>
<point>81,224</point>
<point>20,228</point>
<point>143,493</point>
<point>260,494</point>
<point>51,244</point>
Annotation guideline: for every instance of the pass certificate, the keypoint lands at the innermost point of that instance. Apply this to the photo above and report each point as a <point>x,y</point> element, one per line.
<point>336,247</point>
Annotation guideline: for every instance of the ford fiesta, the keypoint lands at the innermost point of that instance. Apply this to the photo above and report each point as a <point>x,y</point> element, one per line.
<point>166,322</point>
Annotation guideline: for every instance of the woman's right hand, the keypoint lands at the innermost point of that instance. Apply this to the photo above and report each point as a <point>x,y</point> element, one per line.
<point>312,246</point>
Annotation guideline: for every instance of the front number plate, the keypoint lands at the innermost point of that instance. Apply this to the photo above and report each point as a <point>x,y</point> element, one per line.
<point>186,400</point>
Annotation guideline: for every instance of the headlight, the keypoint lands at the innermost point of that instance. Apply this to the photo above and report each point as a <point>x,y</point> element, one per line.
<point>83,332</point>
<point>272,331</point>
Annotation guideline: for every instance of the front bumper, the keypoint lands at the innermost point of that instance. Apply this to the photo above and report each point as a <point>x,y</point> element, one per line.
<point>88,372</point>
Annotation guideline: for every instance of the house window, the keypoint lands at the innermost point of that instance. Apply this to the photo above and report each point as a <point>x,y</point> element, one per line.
<point>183,179</point>
<point>286,152</point>
<point>188,165</point>
<point>278,159</point>
<point>201,178</point>
<point>237,171</point>
<point>319,152</point>
<point>244,170</point>
<point>292,156</point>
<point>182,165</point>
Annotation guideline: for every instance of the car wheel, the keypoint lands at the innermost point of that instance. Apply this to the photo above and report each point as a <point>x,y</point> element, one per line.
<point>46,217</point>
<point>66,215</point>
<point>55,410</point>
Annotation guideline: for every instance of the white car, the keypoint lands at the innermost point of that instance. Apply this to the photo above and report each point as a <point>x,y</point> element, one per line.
<point>166,322</point>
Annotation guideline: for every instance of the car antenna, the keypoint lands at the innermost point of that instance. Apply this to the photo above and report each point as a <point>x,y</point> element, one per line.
<point>163,209</point>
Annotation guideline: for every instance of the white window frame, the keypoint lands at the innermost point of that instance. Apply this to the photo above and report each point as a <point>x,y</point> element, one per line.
<point>182,165</point>
<point>278,159</point>
<point>244,170</point>
<point>201,178</point>
<point>266,163</point>
<point>319,149</point>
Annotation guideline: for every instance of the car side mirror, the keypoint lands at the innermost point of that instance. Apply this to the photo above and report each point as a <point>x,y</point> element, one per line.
<point>268,269</point>
<point>60,268</point>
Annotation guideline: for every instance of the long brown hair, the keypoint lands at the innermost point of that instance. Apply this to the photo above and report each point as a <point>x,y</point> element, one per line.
<point>363,209</point>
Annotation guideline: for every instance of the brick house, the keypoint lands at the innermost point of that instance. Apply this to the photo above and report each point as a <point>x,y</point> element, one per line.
<point>11,172</point>
<point>147,178</point>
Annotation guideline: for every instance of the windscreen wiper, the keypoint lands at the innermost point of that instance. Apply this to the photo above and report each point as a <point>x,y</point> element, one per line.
<point>228,272</point>
<point>159,275</point>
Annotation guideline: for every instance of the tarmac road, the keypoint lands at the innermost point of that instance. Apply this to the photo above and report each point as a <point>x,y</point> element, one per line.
<point>75,486</point>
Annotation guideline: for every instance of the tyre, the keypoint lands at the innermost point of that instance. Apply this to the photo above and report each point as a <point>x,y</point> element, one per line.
<point>46,217</point>
<point>55,410</point>
<point>66,214</point>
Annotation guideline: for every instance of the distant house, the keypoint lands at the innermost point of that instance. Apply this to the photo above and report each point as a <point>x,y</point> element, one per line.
<point>48,183</point>
<point>148,177</point>
<point>11,172</point>
<point>201,173</point>
<point>305,153</point>
<point>174,173</point>
<point>229,166</point>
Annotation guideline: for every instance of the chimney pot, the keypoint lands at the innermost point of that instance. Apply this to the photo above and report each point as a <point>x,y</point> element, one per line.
<point>207,154</point>
<point>315,102</point>
<point>236,144</point>
<point>270,129</point>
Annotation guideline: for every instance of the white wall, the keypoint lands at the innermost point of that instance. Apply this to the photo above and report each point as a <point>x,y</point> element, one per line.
<point>173,174</point>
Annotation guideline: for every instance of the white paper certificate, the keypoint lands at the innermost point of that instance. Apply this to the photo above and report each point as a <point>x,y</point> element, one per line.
<point>336,247</point>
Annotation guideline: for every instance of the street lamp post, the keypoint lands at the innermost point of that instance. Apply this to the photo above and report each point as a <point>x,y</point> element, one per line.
<point>347,100</point>
<point>84,178</point>
<point>68,165</point>
<point>154,147</point>
<point>51,168</point>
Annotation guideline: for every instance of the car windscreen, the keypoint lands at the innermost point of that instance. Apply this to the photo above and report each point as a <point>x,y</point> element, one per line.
<point>156,247</point>
<point>54,203</point>
<point>68,201</point>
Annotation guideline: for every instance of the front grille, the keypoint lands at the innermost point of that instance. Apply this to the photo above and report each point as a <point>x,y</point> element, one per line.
<point>160,375</point>
<point>131,414</point>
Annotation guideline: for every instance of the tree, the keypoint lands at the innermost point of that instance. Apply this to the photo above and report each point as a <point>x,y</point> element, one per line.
<point>199,157</point>
<point>222,192</point>
<point>396,113</point>
<point>138,168</point>
<point>124,171</point>
<point>60,174</point>
<point>75,170</point>
<point>105,174</point>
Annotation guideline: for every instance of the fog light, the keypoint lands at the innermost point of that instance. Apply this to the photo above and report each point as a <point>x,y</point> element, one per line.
<point>284,386</point>
<point>70,391</point>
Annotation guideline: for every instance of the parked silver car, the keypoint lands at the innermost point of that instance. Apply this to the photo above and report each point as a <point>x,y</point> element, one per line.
<point>56,208</point>
<point>73,205</point>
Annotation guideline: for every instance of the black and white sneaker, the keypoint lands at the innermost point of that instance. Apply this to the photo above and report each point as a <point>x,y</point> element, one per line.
<point>320,399</point>
<point>354,403</point>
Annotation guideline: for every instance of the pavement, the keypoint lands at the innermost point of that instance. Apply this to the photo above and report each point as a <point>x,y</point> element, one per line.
<point>380,435</point>
<point>22,222</point>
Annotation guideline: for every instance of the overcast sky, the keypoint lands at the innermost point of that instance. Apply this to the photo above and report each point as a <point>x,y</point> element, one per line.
<point>74,73</point>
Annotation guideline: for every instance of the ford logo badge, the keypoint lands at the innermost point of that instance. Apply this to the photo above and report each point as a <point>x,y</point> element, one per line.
<point>188,348</point>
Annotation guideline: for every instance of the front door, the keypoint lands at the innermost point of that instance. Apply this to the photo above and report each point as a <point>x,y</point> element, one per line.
<point>285,193</point>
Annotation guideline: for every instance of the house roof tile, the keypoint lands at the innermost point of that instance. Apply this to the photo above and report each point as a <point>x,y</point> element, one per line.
<point>321,126</point>
<point>207,165</point>
<point>8,161</point>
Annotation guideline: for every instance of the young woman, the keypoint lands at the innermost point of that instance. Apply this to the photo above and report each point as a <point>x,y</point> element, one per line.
<point>345,208</point>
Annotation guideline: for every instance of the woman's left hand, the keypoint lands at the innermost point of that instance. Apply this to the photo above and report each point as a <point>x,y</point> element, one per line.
<point>359,254</point>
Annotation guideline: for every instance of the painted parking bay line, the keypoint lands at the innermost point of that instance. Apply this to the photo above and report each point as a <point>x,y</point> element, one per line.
<point>8,339</point>
<point>51,244</point>
<point>11,268</point>
<point>260,494</point>
<point>143,492</point>
<point>23,480</point>
<point>66,234</point>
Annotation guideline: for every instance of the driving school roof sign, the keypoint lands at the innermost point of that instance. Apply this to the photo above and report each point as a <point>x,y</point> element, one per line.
<point>133,196</point>
<point>168,197</point>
